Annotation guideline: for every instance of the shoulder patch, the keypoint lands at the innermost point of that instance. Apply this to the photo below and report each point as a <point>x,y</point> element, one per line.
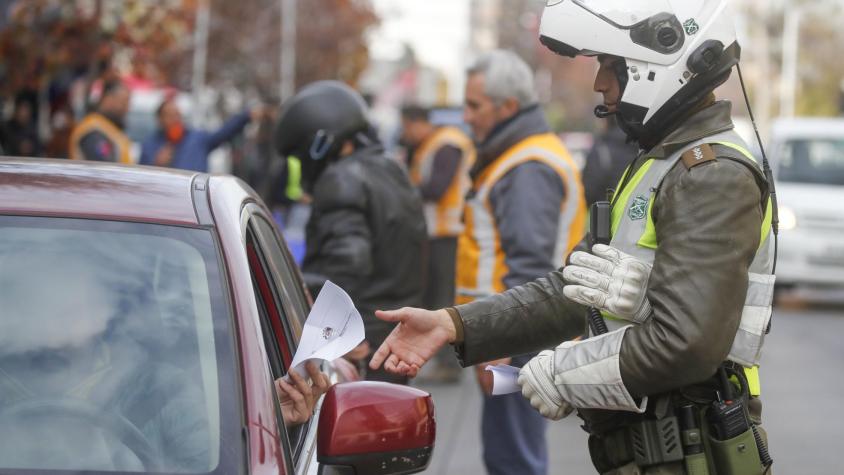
<point>698,156</point>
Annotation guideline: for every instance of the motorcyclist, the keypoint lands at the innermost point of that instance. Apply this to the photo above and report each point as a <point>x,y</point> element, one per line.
<point>367,229</point>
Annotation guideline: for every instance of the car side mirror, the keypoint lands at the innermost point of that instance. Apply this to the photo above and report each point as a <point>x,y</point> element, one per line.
<point>373,428</point>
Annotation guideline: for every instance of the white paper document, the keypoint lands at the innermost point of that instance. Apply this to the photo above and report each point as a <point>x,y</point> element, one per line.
<point>504,379</point>
<point>333,328</point>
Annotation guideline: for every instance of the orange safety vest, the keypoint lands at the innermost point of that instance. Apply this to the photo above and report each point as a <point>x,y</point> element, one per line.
<point>444,216</point>
<point>98,122</point>
<point>481,266</point>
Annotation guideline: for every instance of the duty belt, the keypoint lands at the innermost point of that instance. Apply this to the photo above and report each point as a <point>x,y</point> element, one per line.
<point>649,439</point>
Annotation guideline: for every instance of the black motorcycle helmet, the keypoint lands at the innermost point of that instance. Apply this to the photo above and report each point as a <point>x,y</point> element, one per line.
<point>316,122</point>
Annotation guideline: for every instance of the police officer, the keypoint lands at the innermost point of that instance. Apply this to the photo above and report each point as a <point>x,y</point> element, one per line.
<point>686,283</point>
<point>99,136</point>
<point>366,232</point>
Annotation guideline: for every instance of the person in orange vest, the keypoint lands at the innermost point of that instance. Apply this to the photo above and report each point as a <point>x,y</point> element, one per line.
<point>524,213</point>
<point>439,160</point>
<point>99,136</point>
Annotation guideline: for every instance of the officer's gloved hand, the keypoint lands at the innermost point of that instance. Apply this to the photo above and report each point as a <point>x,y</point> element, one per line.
<point>609,280</point>
<point>537,381</point>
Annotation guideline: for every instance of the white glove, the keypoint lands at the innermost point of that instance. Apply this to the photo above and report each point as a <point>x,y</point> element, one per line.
<point>537,381</point>
<point>609,280</point>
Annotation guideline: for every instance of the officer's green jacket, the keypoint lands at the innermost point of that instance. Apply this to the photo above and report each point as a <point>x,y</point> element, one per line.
<point>707,220</point>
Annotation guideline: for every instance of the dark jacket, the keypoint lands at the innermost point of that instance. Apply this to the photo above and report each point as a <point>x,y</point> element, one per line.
<point>707,222</point>
<point>606,162</point>
<point>367,234</point>
<point>525,202</point>
<point>20,140</point>
<point>191,153</point>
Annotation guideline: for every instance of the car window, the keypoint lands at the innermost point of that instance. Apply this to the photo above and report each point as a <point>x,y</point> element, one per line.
<point>287,277</point>
<point>819,161</point>
<point>280,331</point>
<point>116,350</point>
<point>268,311</point>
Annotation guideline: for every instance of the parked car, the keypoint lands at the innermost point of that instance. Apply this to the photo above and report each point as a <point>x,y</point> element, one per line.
<point>144,315</point>
<point>807,157</point>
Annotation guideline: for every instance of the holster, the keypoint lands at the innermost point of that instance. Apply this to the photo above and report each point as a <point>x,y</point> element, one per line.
<point>648,442</point>
<point>652,440</point>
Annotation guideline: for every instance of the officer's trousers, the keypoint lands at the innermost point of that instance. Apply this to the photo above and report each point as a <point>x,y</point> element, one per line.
<point>513,434</point>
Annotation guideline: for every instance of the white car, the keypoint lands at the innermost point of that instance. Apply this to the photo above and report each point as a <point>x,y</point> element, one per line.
<point>807,157</point>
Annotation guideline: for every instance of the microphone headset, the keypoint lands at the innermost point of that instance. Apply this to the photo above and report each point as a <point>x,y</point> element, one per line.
<point>602,112</point>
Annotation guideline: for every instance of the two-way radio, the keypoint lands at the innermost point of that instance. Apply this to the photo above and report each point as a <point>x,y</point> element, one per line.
<point>600,233</point>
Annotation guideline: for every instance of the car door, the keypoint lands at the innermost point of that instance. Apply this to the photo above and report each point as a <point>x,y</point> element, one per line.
<point>285,303</point>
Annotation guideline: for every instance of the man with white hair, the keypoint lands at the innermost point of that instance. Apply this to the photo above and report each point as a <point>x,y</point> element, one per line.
<point>524,214</point>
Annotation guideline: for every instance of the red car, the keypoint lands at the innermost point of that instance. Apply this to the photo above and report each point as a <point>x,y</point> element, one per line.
<point>144,315</point>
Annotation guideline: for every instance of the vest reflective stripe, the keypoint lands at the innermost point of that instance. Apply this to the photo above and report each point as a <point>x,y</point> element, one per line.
<point>444,218</point>
<point>481,260</point>
<point>634,233</point>
<point>98,122</point>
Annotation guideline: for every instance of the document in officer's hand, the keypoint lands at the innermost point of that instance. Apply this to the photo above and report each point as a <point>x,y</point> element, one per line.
<point>504,379</point>
<point>333,328</point>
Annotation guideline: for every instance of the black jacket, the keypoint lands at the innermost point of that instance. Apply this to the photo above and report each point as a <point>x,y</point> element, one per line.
<point>367,234</point>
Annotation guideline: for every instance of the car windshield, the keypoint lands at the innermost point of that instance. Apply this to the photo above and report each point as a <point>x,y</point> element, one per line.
<point>115,348</point>
<point>817,161</point>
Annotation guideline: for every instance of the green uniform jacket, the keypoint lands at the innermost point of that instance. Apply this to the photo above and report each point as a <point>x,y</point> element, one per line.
<point>707,224</point>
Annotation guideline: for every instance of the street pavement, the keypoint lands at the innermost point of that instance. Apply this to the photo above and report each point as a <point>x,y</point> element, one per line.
<point>802,385</point>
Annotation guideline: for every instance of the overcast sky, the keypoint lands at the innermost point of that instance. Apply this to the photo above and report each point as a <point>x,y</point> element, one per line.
<point>438,30</point>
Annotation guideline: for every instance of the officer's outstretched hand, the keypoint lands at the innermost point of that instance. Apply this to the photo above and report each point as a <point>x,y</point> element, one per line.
<point>537,381</point>
<point>415,340</point>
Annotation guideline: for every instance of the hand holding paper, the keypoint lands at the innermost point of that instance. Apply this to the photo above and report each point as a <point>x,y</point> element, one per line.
<point>504,379</point>
<point>333,328</point>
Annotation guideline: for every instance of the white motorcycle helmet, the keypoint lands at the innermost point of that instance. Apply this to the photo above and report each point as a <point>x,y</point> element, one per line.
<point>676,53</point>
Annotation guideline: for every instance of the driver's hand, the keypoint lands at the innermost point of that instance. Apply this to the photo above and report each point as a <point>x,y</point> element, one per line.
<point>299,398</point>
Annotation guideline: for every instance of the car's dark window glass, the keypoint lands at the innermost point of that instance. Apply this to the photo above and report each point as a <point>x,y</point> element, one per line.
<point>274,281</point>
<point>264,299</point>
<point>813,162</point>
<point>116,350</point>
<point>285,276</point>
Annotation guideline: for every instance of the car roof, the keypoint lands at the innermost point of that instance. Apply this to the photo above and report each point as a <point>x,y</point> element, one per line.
<point>96,190</point>
<point>808,127</point>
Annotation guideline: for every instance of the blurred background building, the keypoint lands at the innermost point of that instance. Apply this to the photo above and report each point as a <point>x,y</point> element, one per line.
<point>225,54</point>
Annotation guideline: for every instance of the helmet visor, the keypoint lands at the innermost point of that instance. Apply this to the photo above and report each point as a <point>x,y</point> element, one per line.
<point>625,13</point>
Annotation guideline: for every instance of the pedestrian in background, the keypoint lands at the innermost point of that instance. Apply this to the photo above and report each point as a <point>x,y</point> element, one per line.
<point>19,135</point>
<point>176,145</point>
<point>366,232</point>
<point>99,136</point>
<point>606,161</point>
<point>439,161</point>
<point>524,214</point>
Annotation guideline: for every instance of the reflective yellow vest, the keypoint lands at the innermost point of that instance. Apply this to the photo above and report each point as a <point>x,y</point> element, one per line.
<point>98,122</point>
<point>481,265</point>
<point>444,216</point>
<point>634,232</point>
